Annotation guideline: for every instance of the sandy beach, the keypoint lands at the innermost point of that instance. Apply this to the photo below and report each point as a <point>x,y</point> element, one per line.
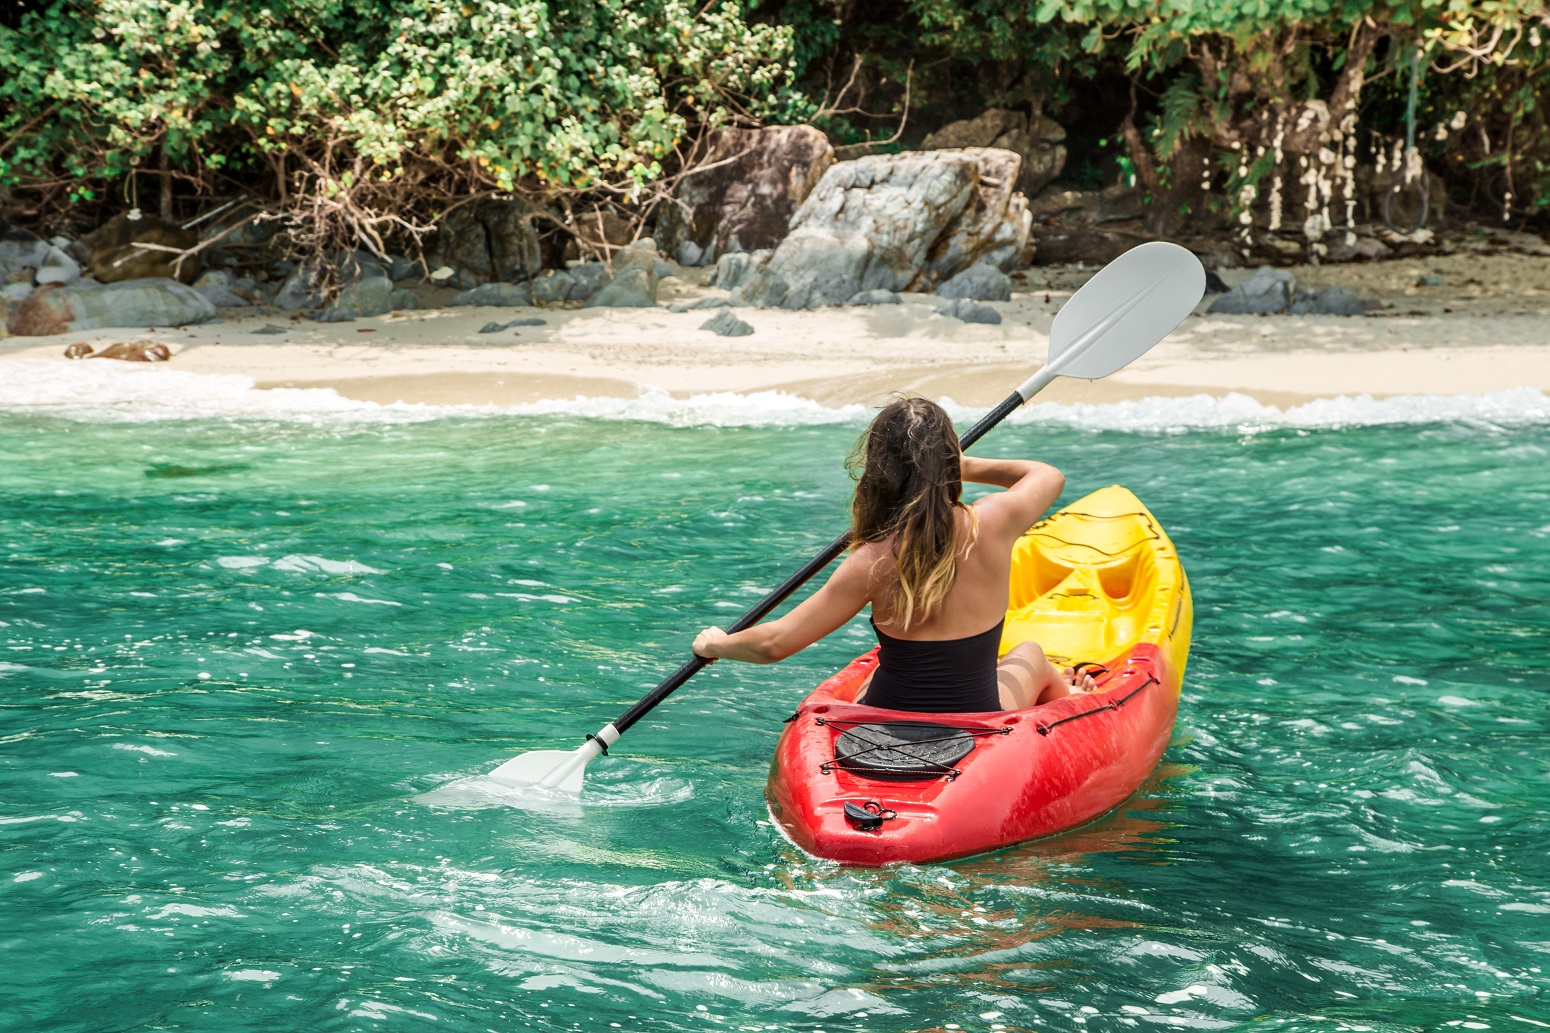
<point>1483,328</point>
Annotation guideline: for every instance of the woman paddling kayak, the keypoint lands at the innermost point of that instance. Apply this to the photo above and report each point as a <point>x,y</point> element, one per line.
<point>935,571</point>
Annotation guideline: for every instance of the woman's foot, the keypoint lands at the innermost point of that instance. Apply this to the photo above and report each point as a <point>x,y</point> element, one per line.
<point>1080,680</point>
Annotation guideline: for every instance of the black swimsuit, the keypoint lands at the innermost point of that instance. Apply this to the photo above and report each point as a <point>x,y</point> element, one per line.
<point>945,676</point>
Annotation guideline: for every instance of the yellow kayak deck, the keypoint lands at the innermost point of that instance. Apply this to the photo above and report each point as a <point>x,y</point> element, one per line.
<point>1095,580</point>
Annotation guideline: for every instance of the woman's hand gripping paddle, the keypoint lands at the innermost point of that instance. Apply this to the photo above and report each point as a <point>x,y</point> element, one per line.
<point>1130,305</point>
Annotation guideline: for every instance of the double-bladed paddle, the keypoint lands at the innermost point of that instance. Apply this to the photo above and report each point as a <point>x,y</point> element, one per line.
<point>1115,318</point>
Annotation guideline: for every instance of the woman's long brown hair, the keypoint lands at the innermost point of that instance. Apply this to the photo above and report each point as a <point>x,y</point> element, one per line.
<point>909,487</point>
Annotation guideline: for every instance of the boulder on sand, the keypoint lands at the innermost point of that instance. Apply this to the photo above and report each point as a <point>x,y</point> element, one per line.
<point>548,290</point>
<point>634,283</point>
<point>1266,290</point>
<point>743,186</point>
<point>899,222</point>
<point>505,295</point>
<point>970,311</point>
<point>979,283</point>
<point>216,285</point>
<point>587,278</point>
<point>369,293</point>
<point>150,302</point>
<point>733,270</point>
<point>1328,301</point>
<point>726,324</point>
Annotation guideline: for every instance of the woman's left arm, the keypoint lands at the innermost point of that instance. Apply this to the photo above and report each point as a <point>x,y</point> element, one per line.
<point>840,599</point>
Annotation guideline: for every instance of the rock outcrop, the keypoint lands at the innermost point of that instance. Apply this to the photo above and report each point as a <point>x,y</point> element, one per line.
<point>634,282</point>
<point>218,287</point>
<point>148,302</point>
<point>726,324</point>
<point>1265,290</point>
<point>20,249</point>
<point>1330,301</point>
<point>492,242</point>
<point>115,258</point>
<point>978,283</point>
<point>504,295</point>
<point>743,189</point>
<point>895,222</point>
<point>970,311</point>
<point>368,293</point>
<point>1040,142</point>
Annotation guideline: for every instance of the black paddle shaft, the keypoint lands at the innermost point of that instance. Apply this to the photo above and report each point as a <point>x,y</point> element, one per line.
<point>791,584</point>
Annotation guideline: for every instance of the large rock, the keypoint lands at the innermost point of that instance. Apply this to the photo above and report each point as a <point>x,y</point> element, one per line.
<point>587,278</point>
<point>1039,142</point>
<point>505,295</point>
<point>733,270</point>
<point>744,187</point>
<point>978,283</point>
<point>300,290</point>
<point>970,311</point>
<point>634,283</point>
<point>726,324</point>
<point>492,242</point>
<point>992,229</point>
<point>370,293</point>
<point>1266,290</point>
<point>20,249</point>
<point>115,258</point>
<point>895,222</point>
<point>151,302</point>
<point>57,267</point>
<point>217,287</point>
<point>1328,301</point>
<point>548,290</point>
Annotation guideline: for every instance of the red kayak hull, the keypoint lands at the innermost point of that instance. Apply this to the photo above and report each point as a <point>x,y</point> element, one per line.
<point>1065,763</point>
<point>1098,581</point>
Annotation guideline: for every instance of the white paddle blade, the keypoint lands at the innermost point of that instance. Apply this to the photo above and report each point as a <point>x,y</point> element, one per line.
<point>561,770</point>
<point>1131,304</point>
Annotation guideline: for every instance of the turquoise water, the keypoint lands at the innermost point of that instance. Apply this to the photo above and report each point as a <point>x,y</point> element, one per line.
<point>249,666</point>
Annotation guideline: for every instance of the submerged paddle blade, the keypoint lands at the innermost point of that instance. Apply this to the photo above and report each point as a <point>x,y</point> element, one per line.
<point>561,770</point>
<point>1131,304</point>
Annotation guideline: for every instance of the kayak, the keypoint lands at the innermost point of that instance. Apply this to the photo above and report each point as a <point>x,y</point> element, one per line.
<point>1100,583</point>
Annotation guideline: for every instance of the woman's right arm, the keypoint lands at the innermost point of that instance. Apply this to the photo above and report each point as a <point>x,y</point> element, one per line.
<point>1031,488</point>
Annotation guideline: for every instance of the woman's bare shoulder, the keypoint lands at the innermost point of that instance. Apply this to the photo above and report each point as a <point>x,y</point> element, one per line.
<point>871,560</point>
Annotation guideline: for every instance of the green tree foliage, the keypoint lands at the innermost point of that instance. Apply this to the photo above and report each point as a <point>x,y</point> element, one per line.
<point>1232,102</point>
<point>362,115</point>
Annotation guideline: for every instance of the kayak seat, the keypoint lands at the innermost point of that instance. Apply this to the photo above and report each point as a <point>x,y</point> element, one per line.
<point>903,751</point>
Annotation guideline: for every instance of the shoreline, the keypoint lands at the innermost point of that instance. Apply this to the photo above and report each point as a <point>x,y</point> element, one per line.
<point>1465,340</point>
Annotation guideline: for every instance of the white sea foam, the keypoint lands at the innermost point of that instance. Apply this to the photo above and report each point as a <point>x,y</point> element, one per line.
<point>134,393</point>
<point>120,392</point>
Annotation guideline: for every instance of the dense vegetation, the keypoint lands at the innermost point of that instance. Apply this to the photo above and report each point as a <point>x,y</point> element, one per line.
<point>358,120</point>
<point>1250,104</point>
